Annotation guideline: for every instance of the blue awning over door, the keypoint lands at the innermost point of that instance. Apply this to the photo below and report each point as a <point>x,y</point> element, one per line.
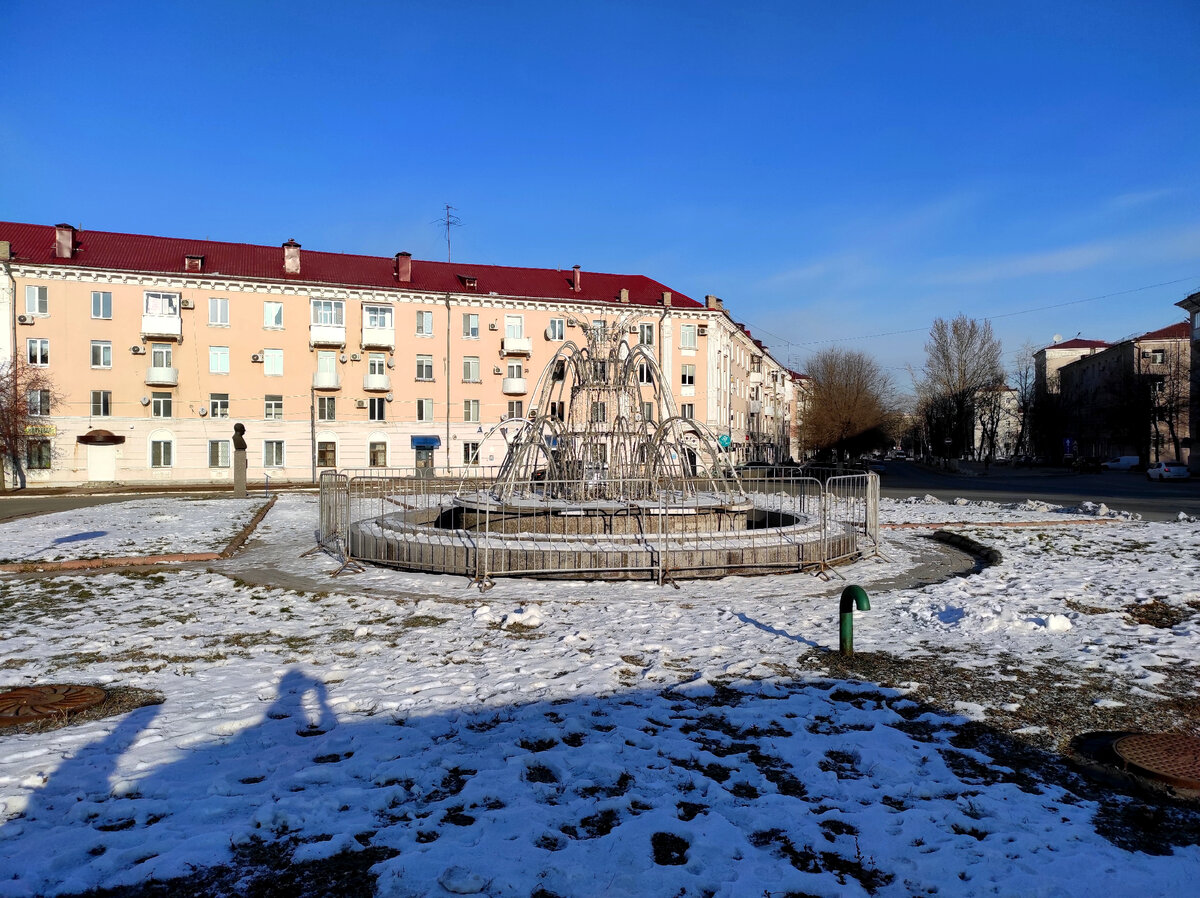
<point>433,442</point>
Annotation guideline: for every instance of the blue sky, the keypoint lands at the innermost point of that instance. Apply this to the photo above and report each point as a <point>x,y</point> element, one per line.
<point>831,170</point>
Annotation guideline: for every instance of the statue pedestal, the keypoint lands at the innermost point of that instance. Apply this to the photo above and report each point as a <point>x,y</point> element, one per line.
<point>239,473</point>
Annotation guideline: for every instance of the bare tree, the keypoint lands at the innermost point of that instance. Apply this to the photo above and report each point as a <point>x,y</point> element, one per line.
<point>27,393</point>
<point>962,358</point>
<point>1171,395</point>
<point>1024,384</point>
<point>852,404</point>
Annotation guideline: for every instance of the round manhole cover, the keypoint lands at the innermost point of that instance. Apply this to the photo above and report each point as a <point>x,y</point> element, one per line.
<point>29,703</point>
<point>1171,757</point>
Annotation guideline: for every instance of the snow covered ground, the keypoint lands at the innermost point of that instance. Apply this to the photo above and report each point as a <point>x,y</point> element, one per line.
<point>578,738</point>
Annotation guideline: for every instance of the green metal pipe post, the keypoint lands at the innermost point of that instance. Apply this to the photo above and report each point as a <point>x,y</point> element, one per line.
<point>851,596</point>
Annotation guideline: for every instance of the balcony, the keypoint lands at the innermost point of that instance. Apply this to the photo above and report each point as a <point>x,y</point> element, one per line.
<point>376,383</point>
<point>513,386</point>
<point>327,380</point>
<point>327,334</point>
<point>378,337</point>
<point>756,377</point>
<point>516,346</point>
<point>162,377</point>
<point>755,405</point>
<point>160,326</point>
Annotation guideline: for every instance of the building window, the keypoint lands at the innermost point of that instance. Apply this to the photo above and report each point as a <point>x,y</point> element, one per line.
<point>101,403</point>
<point>326,408</point>
<point>471,369</point>
<point>470,453</point>
<point>515,370</point>
<point>425,410</point>
<point>218,311</point>
<point>101,354</point>
<point>514,326</point>
<point>37,455</point>
<point>648,411</point>
<point>646,334</point>
<point>272,453</point>
<point>377,363</point>
<point>516,408</point>
<point>645,375</point>
<point>273,408</point>
<point>39,402</point>
<point>557,329</point>
<point>377,454</point>
<point>687,375</point>
<point>559,372</point>
<point>327,366</point>
<point>326,454</point>
<point>378,317</point>
<point>599,326</point>
<point>329,312</point>
<point>38,352</point>
<point>687,336</point>
<point>218,405</point>
<point>470,325</point>
<point>599,412</point>
<point>160,453</point>
<point>687,410</point>
<point>424,324</point>
<point>273,315</point>
<point>1158,356</point>
<point>160,405</point>
<point>600,370</point>
<point>37,301</point>
<point>162,303</point>
<point>160,355</point>
<point>471,411</point>
<point>597,453</point>
<point>377,408</point>
<point>218,453</point>
<point>101,304</point>
<point>557,410</point>
<point>424,367</point>
<point>218,360</point>
<point>273,362</point>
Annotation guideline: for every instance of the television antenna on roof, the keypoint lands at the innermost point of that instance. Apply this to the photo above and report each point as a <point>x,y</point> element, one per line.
<point>450,220</point>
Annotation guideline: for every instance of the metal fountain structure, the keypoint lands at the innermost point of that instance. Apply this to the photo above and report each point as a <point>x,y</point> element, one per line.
<point>605,479</point>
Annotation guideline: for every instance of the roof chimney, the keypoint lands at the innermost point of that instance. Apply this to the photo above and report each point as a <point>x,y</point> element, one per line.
<point>404,267</point>
<point>667,298</point>
<point>5,251</point>
<point>575,279</point>
<point>712,302</point>
<point>193,263</point>
<point>291,257</point>
<point>625,294</point>
<point>64,241</point>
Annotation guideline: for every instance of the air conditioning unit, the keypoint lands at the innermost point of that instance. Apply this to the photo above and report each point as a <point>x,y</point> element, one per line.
<point>570,322</point>
<point>342,358</point>
<point>392,362</point>
<point>187,304</point>
<point>702,330</point>
<point>257,357</point>
<point>493,327</point>
<point>390,397</point>
<point>633,328</point>
<point>354,356</point>
<point>137,350</point>
<point>360,403</point>
<point>24,319</point>
<point>496,369</point>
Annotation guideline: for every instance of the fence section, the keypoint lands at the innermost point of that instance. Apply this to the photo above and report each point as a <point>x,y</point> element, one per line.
<point>399,517</point>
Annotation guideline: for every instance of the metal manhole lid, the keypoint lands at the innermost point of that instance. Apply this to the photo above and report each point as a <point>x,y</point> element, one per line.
<point>1172,757</point>
<point>29,703</point>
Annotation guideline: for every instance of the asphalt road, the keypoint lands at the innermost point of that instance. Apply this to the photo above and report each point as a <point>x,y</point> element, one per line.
<point>1119,490</point>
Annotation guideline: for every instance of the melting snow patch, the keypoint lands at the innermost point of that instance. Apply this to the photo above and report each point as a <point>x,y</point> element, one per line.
<point>970,710</point>
<point>523,617</point>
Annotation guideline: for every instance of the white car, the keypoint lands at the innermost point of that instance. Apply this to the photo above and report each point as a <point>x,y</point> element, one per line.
<point>1167,470</point>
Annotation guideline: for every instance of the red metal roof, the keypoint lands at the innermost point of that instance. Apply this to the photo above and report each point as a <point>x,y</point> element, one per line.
<point>33,243</point>
<point>1180,331</point>
<point>1077,343</point>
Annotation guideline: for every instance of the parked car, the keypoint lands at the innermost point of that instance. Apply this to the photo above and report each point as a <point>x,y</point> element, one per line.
<point>1120,463</point>
<point>1167,470</point>
<point>1088,464</point>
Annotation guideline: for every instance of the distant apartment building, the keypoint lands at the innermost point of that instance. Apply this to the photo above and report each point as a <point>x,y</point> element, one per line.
<point>157,345</point>
<point>1191,305</point>
<point>1049,360</point>
<point>1133,397</point>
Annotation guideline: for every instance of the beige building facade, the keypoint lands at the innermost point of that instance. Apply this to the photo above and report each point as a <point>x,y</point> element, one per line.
<point>157,346</point>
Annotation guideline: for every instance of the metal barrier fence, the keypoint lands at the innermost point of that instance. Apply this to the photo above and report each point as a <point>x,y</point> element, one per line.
<point>402,518</point>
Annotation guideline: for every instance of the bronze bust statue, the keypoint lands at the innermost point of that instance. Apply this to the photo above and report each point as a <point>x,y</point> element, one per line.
<point>239,441</point>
